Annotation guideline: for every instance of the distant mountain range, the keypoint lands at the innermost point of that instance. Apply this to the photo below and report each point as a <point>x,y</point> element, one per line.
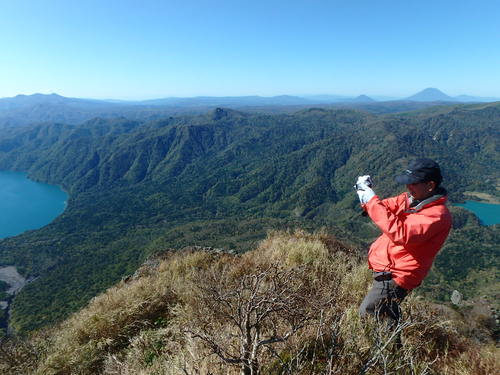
<point>22,101</point>
<point>426,95</point>
<point>227,101</point>
<point>435,95</point>
<point>29,109</point>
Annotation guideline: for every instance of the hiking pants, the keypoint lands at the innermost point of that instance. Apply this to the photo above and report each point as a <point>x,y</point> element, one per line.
<point>383,300</point>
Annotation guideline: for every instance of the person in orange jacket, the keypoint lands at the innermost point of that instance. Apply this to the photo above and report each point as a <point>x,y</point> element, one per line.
<point>414,227</point>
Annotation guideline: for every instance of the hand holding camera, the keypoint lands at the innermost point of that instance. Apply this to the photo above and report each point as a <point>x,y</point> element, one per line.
<point>363,182</point>
<point>364,189</point>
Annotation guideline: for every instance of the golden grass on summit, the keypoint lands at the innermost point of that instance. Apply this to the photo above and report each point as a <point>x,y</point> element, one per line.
<point>182,315</point>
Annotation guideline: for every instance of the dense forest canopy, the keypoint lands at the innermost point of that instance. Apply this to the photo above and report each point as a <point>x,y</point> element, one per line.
<point>225,178</point>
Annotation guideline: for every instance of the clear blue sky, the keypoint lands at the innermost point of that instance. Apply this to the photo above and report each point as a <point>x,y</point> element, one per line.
<point>148,49</point>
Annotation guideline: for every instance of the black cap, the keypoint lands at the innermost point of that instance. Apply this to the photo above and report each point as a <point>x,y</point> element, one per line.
<point>421,170</point>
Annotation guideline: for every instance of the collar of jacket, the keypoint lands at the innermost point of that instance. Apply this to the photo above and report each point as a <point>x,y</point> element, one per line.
<point>426,202</point>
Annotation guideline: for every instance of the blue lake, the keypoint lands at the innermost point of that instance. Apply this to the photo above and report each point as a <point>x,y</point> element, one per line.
<point>26,204</point>
<point>488,213</point>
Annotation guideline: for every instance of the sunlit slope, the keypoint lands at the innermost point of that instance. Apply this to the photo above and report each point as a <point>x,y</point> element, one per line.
<point>288,306</point>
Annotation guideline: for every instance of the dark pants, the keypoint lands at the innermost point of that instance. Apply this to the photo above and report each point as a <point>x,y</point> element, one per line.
<point>383,300</point>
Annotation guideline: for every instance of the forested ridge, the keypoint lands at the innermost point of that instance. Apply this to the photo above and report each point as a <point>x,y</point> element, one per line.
<point>224,179</point>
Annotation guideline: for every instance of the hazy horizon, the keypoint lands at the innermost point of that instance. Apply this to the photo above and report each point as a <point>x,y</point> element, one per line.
<point>125,50</point>
<point>338,97</point>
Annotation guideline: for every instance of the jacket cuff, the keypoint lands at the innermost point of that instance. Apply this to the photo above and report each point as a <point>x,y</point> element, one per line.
<point>368,205</point>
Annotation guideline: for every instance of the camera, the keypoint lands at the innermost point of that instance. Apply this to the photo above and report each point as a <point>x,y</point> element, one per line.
<point>365,181</point>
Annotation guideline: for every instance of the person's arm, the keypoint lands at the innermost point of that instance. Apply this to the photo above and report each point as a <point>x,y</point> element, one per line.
<point>394,204</point>
<point>404,229</point>
<point>364,189</point>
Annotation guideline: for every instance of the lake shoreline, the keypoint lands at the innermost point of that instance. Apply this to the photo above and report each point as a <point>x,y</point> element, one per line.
<point>28,204</point>
<point>482,197</point>
<point>487,213</point>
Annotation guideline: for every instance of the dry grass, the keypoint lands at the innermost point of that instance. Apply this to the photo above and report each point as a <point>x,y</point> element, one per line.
<point>288,307</point>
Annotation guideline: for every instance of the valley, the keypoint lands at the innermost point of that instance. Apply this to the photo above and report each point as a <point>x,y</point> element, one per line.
<point>224,179</point>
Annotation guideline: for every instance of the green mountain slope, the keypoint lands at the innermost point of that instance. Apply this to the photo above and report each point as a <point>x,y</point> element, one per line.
<point>222,179</point>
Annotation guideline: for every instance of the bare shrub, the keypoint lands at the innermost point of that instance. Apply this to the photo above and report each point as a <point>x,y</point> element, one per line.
<point>242,311</point>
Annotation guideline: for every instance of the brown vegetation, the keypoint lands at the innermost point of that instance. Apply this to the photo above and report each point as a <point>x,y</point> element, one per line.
<point>288,307</point>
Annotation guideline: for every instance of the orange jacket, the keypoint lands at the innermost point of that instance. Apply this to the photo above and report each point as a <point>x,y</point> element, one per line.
<point>411,237</point>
